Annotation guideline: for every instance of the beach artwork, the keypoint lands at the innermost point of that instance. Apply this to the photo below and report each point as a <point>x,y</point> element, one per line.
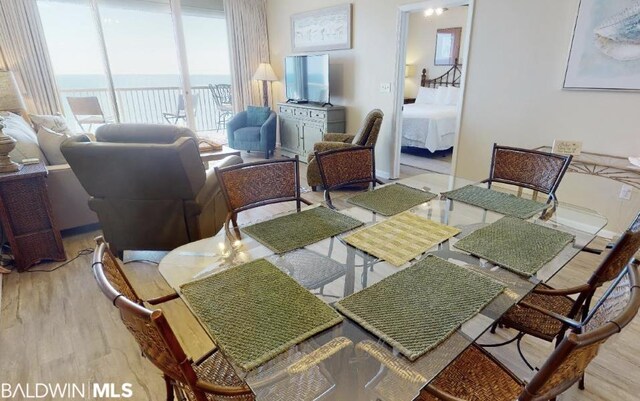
<point>605,51</point>
<point>321,30</point>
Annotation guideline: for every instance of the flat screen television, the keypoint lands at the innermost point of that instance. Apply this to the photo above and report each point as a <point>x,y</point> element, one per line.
<point>307,79</point>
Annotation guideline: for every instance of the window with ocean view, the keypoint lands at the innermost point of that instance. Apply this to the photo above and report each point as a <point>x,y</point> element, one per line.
<point>124,54</point>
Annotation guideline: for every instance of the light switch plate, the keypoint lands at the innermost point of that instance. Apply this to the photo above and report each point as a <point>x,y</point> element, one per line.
<point>625,192</point>
<point>563,147</point>
<point>385,87</point>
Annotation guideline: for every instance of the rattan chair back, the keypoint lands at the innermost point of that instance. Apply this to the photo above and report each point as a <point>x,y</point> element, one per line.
<point>115,275</point>
<point>532,169</point>
<point>621,254</point>
<point>151,330</point>
<point>250,185</point>
<point>346,167</point>
<point>568,362</point>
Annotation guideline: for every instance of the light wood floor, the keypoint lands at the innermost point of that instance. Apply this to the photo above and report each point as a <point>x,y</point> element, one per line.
<point>58,327</point>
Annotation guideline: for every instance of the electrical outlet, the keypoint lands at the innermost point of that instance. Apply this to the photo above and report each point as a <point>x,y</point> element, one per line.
<point>625,192</point>
<point>385,87</point>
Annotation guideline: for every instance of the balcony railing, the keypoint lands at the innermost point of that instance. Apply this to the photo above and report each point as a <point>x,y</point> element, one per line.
<point>147,105</point>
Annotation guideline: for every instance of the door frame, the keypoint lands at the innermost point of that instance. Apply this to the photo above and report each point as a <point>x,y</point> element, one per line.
<point>402,34</point>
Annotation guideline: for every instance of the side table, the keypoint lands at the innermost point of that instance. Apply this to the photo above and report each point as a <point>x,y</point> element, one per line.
<point>27,218</point>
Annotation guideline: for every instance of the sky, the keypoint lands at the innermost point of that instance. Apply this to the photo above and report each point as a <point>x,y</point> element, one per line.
<point>138,42</point>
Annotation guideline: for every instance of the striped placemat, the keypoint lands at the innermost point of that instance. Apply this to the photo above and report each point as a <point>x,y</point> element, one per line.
<point>391,199</point>
<point>297,230</point>
<point>401,238</point>
<point>254,311</point>
<point>515,244</point>
<point>416,309</point>
<point>503,203</point>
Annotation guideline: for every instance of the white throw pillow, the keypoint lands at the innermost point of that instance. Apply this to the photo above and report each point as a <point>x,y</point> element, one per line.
<point>453,95</point>
<point>55,123</point>
<point>426,96</point>
<point>26,140</point>
<point>442,94</point>
<point>50,142</point>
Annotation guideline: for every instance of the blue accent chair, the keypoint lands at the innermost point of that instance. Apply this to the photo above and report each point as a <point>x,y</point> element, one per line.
<point>260,138</point>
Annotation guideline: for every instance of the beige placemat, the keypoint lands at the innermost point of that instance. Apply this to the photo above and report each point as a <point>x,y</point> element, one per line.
<point>401,238</point>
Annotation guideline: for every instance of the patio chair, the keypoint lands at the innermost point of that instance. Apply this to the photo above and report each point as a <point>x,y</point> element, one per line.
<point>541,313</point>
<point>86,110</point>
<point>477,375</point>
<point>250,185</point>
<point>224,105</point>
<point>367,135</point>
<point>181,113</point>
<point>346,167</point>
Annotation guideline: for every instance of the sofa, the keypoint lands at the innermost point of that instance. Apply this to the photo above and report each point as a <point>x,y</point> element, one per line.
<point>69,200</point>
<point>149,185</point>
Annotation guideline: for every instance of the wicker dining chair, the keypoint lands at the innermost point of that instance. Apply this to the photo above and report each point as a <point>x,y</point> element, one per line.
<point>526,168</point>
<point>538,313</point>
<point>210,376</point>
<point>346,167</point>
<point>477,375</point>
<point>250,185</point>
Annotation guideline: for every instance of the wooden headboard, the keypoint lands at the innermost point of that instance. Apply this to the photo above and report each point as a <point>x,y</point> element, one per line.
<point>449,78</point>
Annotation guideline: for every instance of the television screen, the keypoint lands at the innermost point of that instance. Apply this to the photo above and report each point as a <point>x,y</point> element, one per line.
<point>307,78</point>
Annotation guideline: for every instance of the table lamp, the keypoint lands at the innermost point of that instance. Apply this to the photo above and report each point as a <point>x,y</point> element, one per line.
<point>10,100</point>
<point>265,74</point>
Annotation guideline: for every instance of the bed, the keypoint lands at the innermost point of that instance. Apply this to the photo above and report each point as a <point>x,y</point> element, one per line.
<point>430,122</point>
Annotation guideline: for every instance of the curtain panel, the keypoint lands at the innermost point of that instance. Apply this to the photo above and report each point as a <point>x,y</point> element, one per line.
<point>248,46</point>
<point>24,51</point>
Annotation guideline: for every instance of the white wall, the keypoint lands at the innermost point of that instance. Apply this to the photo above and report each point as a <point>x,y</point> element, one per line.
<point>421,44</point>
<point>513,96</point>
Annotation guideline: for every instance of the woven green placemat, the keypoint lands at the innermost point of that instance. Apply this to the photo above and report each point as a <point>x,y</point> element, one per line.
<point>515,244</point>
<point>297,230</point>
<point>255,311</point>
<point>503,203</point>
<point>391,199</point>
<point>417,308</point>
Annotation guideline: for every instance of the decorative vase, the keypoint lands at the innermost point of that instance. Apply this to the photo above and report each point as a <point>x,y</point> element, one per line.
<point>7,144</point>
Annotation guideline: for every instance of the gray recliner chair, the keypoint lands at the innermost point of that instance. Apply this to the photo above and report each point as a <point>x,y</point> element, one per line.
<point>148,185</point>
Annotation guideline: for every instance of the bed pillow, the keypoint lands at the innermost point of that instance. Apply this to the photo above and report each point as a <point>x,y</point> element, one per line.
<point>426,96</point>
<point>55,123</point>
<point>50,142</point>
<point>442,93</point>
<point>27,146</point>
<point>453,95</point>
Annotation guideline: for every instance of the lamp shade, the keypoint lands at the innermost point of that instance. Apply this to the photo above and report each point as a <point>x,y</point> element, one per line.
<point>10,96</point>
<point>265,73</point>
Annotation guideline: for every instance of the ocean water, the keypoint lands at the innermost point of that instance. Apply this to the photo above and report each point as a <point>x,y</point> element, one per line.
<point>94,81</point>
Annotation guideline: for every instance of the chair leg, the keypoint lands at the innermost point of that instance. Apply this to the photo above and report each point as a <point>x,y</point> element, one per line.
<point>314,188</point>
<point>494,327</point>
<point>581,383</point>
<point>169,387</point>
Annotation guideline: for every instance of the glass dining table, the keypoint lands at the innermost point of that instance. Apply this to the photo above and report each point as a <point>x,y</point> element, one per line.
<point>347,362</point>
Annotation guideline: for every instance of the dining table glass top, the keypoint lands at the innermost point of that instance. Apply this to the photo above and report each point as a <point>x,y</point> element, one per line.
<point>347,361</point>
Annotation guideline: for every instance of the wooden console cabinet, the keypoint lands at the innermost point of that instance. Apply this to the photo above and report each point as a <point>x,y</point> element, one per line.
<point>27,219</point>
<point>302,125</point>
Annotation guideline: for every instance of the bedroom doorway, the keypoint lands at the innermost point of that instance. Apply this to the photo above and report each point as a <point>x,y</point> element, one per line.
<point>433,39</point>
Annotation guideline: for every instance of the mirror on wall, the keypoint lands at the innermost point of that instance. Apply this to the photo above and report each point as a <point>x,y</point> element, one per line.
<point>447,46</point>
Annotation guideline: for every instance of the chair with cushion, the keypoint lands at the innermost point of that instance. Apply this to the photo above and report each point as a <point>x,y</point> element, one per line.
<point>223,101</point>
<point>367,135</point>
<point>531,169</point>
<point>477,375</point>
<point>252,185</point>
<point>253,129</point>
<point>346,167</point>
<point>148,185</point>
<point>542,313</point>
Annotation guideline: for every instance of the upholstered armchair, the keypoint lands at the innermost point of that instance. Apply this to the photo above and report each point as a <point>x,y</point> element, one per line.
<point>367,135</point>
<point>245,135</point>
<point>148,185</point>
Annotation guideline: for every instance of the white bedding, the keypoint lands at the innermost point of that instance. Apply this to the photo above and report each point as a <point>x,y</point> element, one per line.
<point>429,126</point>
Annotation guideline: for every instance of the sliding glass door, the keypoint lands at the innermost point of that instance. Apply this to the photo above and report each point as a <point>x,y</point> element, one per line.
<point>145,61</point>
